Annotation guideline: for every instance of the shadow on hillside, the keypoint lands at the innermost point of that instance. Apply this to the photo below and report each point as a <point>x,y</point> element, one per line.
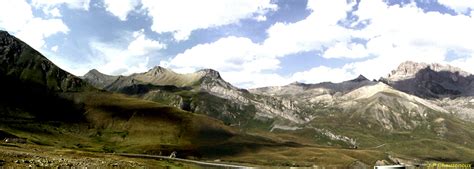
<point>36,100</point>
<point>138,89</point>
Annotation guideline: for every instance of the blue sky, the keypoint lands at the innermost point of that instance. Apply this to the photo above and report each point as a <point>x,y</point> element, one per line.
<point>253,43</point>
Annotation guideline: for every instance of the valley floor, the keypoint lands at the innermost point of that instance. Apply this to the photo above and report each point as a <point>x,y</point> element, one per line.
<point>27,156</point>
<point>15,155</point>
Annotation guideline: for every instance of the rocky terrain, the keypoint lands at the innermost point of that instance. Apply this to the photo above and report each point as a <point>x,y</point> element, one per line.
<point>32,156</point>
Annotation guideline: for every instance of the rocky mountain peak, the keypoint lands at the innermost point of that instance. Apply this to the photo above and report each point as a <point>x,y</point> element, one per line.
<point>4,34</point>
<point>99,79</point>
<point>360,78</point>
<point>406,70</point>
<point>296,83</point>
<point>431,80</point>
<point>10,43</point>
<point>209,73</point>
<point>157,70</point>
<point>92,72</point>
<point>409,69</point>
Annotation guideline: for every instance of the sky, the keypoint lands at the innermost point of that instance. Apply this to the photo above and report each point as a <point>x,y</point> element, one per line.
<point>252,43</point>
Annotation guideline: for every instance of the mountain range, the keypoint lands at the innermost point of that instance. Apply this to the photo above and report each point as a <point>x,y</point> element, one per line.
<point>418,113</point>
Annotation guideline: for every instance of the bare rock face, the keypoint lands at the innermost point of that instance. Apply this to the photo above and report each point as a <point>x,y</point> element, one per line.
<point>431,80</point>
<point>209,73</point>
<point>409,69</point>
<point>462,107</point>
<point>406,70</point>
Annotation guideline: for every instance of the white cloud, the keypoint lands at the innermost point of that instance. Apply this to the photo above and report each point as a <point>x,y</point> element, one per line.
<point>394,34</point>
<point>260,18</point>
<point>238,59</point>
<point>409,25</point>
<point>73,4</point>
<point>245,63</point>
<point>181,17</point>
<point>121,8</point>
<point>318,30</point>
<point>329,12</point>
<point>399,33</point>
<point>123,59</point>
<point>460,6</point>
<point>142,45</point>
<point>54,48</point>
<point>254,80</point>
<point>346,50</point>
<point>17,18</point>
<point>226,54</point>
<point>38,29</point>
<point>54,12</point>
<point>14,15</point>
<point>323,74</point>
